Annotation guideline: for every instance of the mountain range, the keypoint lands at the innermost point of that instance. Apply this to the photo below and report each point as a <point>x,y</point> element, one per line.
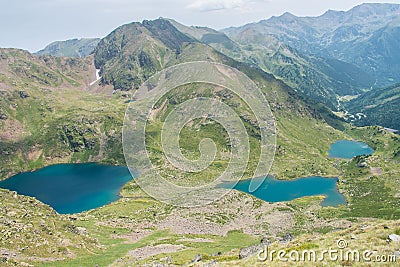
<point>316,78</point>
<point>325,58</point>
<point>365,36</point>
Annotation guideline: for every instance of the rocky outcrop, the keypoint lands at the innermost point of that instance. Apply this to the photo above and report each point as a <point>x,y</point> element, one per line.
<point>394,238</point>
<point>23,94</point>
<point>197,258</point>
<point>250,251</point>
<point>81,134</point>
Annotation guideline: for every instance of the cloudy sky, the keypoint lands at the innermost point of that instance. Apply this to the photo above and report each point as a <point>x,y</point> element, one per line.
<point>31,24</point>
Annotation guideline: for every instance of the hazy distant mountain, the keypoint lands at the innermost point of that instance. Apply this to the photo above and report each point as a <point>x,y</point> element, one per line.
<point>209,36</point>
<point>366,36</point>
<point>313,76</point>
<point>70,48</point>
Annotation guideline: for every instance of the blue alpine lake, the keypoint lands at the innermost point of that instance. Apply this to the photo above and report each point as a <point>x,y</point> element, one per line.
<point>273,190</point>
<point>71,188</point>
<point>74,188</point>
<point>347,149</point>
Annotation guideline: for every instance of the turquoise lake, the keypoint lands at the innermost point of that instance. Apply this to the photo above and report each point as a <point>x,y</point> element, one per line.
<point>347,149</point>
<point>74,188</point>
<point>273,190</point>
<point>71,188</point>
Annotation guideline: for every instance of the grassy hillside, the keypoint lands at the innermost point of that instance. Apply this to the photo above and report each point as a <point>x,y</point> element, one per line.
<point>356,237</point>
<point>48,116</point>
<point>293,114</point>
<point>33,232</point>
<point>134,52</point>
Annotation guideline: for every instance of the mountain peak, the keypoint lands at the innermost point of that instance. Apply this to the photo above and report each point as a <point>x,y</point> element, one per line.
<point>284,18</point>
<point>166,32</point>
<point>134,52</point>
<point>368,9</point>
<point>287,15</point>
<point>332,13</point>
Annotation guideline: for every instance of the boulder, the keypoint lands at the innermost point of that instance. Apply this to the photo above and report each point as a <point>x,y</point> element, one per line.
<point>197,258</point>
<point>250,251</point>
<point>81,231</point>
<point>267,240</point>
<point>211,263</point>
<point>219,253</point>
<point>394,238</point>
<point>23,94</point>
<point>286,239</point>
<point>362,164</point>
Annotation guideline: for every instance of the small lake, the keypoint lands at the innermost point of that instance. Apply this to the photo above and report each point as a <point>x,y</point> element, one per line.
<point>347,149</point>
<point>273,190</point>
<point>71,188</point>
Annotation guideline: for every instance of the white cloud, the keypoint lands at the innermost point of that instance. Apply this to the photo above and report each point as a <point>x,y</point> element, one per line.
<point>212,5</point>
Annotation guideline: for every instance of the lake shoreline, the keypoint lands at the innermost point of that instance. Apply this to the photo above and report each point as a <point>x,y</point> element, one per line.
<point>272,190</point>
<point>348,149</point>
<point>84,186</point>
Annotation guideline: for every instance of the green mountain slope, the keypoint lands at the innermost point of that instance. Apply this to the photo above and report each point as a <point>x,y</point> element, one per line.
<point>322,80</point>
<point>314,77</point>
<point>80,130</point>
<point>377,107</point>
<point>133,52</point>
<point>48,116</point>
<point>70,48</point>
<point>30,229</point>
